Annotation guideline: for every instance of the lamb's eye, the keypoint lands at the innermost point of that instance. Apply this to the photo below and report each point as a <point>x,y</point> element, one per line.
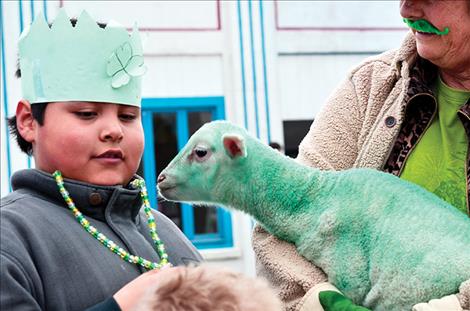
<point>200,153</point>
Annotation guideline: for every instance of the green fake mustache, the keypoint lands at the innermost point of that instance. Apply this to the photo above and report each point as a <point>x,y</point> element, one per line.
<point>423,25</point>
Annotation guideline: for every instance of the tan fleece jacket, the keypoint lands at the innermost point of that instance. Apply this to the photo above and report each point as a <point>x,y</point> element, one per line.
<point>357,127</point>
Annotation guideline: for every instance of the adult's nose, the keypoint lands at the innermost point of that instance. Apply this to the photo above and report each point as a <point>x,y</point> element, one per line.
<point>411,9</point>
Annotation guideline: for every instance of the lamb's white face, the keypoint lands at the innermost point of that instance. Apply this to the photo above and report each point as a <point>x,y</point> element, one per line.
<point>194,174</point>
<point>184,179</point>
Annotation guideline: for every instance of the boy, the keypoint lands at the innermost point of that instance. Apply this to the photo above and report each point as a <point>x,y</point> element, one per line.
<point>84,242</point>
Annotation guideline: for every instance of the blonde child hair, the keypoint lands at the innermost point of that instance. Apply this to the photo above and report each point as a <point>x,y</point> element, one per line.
<point>205,288</point>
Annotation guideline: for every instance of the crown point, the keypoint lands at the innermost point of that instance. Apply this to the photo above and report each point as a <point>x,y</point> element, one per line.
<point>38,27</point>
<point>38,15</point>
<point>40,21</point>
<point>85,21</point>
<point>61,22</point>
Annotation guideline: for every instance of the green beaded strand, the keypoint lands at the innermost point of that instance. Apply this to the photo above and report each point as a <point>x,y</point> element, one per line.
<point>113,247</point>
<point>140,184</point>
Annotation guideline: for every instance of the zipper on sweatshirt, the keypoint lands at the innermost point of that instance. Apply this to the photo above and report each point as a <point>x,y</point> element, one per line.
<point>425,129</point>
<point>466,184</point>
<point>466,166</point>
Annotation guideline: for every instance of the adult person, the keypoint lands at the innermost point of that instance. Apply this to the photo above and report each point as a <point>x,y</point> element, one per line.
<point>405,112</point>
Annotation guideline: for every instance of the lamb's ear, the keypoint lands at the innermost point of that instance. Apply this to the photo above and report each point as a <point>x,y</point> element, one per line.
<point>234,145</point>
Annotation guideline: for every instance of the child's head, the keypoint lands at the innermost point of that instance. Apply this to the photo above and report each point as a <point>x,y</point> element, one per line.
<point>100,143</point>
<point>207,288</point>
<point>80,112</point>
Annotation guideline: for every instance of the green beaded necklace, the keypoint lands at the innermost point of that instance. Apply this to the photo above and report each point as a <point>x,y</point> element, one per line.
<point>160,248</point>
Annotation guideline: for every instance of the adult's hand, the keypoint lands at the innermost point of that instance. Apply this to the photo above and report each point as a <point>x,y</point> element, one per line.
<point>450,303</point>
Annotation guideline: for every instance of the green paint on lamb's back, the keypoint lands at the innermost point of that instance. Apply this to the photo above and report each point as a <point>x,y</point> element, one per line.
<point>384,242</point>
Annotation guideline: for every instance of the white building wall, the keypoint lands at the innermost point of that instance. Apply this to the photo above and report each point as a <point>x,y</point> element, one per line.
<point>319,42</point>
<point>271,60</point>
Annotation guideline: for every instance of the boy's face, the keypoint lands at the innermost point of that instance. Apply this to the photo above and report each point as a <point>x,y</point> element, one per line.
<point>98,143</point>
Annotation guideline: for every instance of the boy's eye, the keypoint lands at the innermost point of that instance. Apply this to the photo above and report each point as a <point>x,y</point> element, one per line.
<point>85,114</point>
<point>127,117</point>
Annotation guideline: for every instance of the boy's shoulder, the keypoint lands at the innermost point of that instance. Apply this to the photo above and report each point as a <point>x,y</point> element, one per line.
<point>20,218</point>
<point>24,213</point>
<point>10,199</point>
<point>24,199</point>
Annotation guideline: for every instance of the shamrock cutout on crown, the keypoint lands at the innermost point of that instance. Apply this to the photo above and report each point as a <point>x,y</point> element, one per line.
<point>122,65</point>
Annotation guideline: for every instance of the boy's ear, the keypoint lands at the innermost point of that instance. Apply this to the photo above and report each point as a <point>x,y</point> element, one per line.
<point>24,121</point>
<point>234,145</point>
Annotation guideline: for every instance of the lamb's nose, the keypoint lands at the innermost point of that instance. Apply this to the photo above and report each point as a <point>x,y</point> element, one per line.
<point>161,178</point>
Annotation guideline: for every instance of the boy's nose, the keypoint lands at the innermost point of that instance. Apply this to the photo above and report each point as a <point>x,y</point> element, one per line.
<point>161,178</point>
<point>113,133</point>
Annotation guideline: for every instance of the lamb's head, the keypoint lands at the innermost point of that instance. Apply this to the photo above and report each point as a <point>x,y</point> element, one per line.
<point>208,163</point>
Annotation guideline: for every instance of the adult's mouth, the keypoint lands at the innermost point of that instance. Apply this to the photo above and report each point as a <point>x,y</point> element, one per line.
<point>422,33</point>
<point>425,36</point>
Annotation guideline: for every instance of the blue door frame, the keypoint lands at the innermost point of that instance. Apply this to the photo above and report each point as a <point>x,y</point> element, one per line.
<point>181,107</point>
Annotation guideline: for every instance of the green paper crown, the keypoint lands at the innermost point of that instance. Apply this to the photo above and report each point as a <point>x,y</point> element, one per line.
<point>81,63</point>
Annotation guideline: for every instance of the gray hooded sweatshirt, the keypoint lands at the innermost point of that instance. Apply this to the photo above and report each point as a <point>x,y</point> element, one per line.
<point>49,262</point>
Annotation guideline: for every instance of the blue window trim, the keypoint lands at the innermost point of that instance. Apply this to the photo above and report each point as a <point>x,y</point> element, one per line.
<point>181,106</point>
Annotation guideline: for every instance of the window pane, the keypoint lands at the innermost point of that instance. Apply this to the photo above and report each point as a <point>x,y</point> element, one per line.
<point>173,211</point>
<point>205,219</point>
<point>294,132</point>
<point>197,119</point>
<point>164,133</point>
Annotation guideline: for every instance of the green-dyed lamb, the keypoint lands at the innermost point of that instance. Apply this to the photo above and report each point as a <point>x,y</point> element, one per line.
<point>385,243</point>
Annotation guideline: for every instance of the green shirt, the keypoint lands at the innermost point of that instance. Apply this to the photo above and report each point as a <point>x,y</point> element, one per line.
<point>437,163</point>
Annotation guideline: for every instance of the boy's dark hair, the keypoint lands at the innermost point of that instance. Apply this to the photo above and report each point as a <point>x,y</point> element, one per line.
<point>37,109</point>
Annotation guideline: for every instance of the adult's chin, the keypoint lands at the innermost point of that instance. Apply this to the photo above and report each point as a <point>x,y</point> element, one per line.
<point>430,49</point>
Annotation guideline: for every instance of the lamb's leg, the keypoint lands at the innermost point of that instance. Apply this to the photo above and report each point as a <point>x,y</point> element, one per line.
<point>398,292</point>
<point>344,259</point>
<point>388,294</point>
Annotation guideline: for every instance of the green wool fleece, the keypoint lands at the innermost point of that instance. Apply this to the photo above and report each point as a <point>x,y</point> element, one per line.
<point>387,244</point>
